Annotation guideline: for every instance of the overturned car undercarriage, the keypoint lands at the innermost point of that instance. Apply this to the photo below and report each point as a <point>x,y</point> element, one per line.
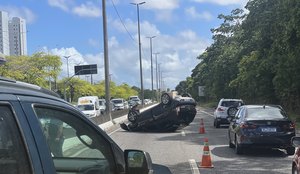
<point>168,116</point>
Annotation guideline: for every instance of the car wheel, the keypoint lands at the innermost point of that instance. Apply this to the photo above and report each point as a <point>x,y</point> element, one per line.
<point>230,144</point>
<point>290,150</point>
<point>231,111</point>
<point>217,124</point>
<point>294,169</point>
<point>238,149</point>
<point>132,116</point>
<point>165,99</point>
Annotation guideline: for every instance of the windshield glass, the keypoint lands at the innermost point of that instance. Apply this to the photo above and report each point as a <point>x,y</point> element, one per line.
<point>265,113</point>
<point>117,101</point>
<point>86,107</point>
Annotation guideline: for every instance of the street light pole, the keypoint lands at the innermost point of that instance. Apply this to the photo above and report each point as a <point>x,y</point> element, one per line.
<point>106,62</point>
<point>157,94</point>
<point>150,38</point>
<point>140,52</point>
<point>67,57</point>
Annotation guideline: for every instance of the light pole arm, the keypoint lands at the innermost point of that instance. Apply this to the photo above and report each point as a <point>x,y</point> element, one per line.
<point>69,78</point>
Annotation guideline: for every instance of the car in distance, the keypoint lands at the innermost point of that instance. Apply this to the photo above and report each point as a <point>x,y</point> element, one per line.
<point>41,133</point>
<point>119,103</point>
<point>102,105</point>
<point>221,112</point>
<point>167,116</point>
<point>265,126</point>
<point>296,158</point>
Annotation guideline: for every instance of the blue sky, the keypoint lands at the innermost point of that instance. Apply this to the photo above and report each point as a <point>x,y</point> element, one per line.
<point>74,27</point>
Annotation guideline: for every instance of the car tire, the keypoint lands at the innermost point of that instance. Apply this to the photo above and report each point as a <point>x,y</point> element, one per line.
<point>290,150</point>
<point>230,144</point>
<point>217,124</point>
<point>231,111</point>
<point>165,98</point>
<point>132,116</point>
<point>238,149</point>
<point>294,169</point>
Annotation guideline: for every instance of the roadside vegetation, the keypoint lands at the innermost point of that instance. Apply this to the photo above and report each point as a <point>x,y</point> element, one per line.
<point>255,56</point>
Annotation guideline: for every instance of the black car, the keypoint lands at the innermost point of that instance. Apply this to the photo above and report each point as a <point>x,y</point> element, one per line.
<point>265,126</point>
<point>169,115</point>
<point>41,133</point>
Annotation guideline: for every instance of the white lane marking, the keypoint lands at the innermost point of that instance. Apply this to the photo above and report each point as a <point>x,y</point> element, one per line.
<point>194,167</point>
<point>114,131</point>
<point>207,113</point>
<point>183,133</point>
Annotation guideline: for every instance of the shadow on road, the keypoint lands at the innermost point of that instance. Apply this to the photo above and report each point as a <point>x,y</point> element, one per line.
<point>227,152</point>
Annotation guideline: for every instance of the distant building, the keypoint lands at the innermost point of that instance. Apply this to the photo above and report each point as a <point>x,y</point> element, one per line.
<point>4,35</point>
<point>17,36</point>
<point>13,39</point>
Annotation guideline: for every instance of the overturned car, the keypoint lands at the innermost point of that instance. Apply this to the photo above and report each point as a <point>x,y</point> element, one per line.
<point>168,116</point>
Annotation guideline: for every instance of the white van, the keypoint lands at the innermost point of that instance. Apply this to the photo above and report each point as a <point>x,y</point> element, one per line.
<point>89,105</point>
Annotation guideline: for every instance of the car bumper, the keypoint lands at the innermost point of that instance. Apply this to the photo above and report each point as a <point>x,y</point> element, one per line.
<point>222,120</point>
<point>270,141</point>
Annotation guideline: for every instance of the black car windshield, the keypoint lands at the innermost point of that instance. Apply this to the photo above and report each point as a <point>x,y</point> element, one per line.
<point>86,107</point>
<point>265,113</point>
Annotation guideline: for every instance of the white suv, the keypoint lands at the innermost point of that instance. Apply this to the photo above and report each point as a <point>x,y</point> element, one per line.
<point>221,113</point>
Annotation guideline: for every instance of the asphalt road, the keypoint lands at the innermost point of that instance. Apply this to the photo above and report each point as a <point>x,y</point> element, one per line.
<point>181,152</point>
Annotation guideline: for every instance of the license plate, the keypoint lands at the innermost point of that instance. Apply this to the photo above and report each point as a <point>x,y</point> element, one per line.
<point>268,129</point>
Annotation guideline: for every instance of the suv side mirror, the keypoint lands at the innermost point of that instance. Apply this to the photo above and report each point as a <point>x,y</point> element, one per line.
<point>138,162</point>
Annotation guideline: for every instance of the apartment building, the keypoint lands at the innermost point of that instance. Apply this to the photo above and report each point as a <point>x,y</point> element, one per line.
<point>4,33</point>
<point>13,35</point>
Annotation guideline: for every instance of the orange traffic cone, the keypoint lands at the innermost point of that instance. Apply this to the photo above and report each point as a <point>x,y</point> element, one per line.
<point>201,129</point>
<point>206,160</point>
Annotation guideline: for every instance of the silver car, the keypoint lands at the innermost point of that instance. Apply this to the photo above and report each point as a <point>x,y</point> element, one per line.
<point>221,112</point>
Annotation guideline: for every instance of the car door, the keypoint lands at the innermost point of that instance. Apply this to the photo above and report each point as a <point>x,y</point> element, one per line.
<point>73,143</point>
<point>18,150</point>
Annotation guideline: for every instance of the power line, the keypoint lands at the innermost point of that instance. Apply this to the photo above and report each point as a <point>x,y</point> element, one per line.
<point>122,21</point>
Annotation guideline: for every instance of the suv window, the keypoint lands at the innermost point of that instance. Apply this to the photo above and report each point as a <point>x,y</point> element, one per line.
<point>13,157</point>
<point>75,146</point>
<point>231,103</point>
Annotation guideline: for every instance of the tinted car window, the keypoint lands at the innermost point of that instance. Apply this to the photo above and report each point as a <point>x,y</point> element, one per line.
<point>74,145</point>
<point>231,103</point>
<point>261,113</point>
<point>13,157</point>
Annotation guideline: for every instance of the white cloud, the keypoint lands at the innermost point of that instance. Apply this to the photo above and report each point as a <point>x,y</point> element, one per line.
<point>94,43</point>
<point>177,56</point>
<point>191,12</point>
<point>87,10</point>
<point>22,12</point>
<point>62,4</point>
<point>224,2</point>
<point>160,5</point>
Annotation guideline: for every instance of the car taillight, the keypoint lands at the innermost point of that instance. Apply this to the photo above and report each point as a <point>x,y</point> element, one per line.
<point>292,125</point>
<point>221,109</point>
<point>247,126</point>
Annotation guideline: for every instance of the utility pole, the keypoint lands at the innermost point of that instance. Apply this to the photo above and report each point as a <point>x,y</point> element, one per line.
<point>106,62</point>
<point>157,93</point>
<point>67,57</point>
<point>150,38</point>
<point>140,52</point>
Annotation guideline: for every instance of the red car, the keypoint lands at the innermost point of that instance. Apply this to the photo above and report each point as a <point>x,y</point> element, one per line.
<point>296,159</point>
